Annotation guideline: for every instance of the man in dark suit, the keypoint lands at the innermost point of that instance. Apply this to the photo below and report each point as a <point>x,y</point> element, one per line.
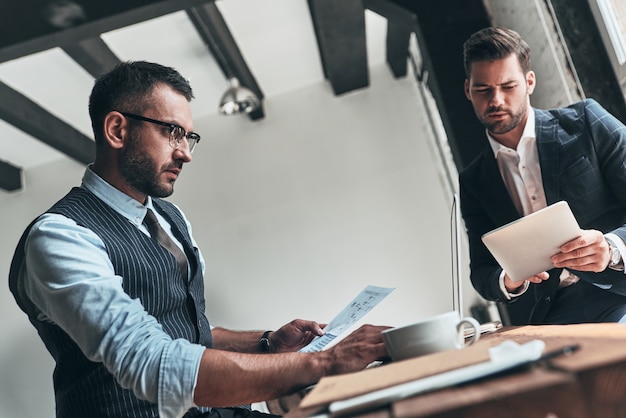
<point>535,158</point>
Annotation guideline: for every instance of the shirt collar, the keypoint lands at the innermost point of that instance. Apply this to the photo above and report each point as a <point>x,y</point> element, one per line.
<point>529,132</point>
<point>116,199</point>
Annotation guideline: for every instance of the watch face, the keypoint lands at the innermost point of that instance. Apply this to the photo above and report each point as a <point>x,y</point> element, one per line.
<point>614,255</point>
<point>264,342</point>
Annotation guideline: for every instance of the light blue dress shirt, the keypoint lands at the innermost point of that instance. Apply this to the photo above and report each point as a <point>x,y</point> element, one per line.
<point>69,277</point>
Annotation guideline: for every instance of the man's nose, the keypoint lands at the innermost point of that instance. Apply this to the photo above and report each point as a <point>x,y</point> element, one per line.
<point>497,98</point>
<point>184,151</point>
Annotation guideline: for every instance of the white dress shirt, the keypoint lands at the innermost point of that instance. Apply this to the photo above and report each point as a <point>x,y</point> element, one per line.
<point>521,174</point>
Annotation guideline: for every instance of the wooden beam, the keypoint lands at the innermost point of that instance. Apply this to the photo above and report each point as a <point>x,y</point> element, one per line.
<point>441,28</point>
<point>26,26</point>
<point>391,10</point>
<point>93,54</point>
<point>400,25</point>
<point>397,43</point>
<point>10,177</point>
<point>340,32</point>
<point>214,31</point>
<point>31,118</point>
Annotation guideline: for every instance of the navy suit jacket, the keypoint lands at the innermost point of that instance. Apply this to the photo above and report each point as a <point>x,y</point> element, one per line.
<point>582,154</point>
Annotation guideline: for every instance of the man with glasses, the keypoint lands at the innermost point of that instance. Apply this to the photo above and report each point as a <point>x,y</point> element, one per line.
<point>112,279</point>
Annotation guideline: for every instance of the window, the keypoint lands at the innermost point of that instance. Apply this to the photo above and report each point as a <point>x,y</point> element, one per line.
<point>613,14</point>
<point>610,17</point>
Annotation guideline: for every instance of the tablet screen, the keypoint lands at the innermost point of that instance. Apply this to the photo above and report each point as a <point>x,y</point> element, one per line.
<point>524,247</point>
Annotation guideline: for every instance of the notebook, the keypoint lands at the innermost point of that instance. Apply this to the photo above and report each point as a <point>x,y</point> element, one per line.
<point>523,247</point>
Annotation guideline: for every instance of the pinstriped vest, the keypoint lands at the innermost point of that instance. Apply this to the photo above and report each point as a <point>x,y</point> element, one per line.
<point>84,388</point>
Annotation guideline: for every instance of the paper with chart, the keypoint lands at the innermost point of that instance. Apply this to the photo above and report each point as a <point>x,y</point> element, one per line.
<point>360,305</point>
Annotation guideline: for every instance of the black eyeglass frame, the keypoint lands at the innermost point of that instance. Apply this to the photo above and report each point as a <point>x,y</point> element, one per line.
<point>177,132</point>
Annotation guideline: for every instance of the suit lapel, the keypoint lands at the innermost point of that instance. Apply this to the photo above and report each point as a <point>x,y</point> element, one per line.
<point>547,147</point>
<point>493,192</point>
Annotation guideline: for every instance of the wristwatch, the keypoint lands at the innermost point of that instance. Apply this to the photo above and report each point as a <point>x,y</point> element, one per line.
<point>614,255</point>
<point>264,342</point>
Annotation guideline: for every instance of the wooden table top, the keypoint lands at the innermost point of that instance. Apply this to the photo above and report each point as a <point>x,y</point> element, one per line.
<point>588,383</point>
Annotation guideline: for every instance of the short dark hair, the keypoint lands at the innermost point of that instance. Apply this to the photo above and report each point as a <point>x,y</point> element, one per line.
<point>128,87</point>
<point>493,43</point>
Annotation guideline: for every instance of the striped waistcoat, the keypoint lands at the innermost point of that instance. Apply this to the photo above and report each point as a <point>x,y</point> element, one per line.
<point>151,274</point>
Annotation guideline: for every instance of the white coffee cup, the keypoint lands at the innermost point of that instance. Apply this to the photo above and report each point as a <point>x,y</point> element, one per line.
<point>438,333</point>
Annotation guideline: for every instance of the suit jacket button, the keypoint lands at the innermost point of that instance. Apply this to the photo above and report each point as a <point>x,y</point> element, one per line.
<point>548,299</point>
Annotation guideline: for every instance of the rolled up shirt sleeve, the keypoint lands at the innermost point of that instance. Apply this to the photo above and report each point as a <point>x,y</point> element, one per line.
<point>68,276</point>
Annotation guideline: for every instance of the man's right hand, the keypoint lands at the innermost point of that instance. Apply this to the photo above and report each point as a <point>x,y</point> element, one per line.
<point>512,286</point>
<point>234,378</point>
<point>358,350</point>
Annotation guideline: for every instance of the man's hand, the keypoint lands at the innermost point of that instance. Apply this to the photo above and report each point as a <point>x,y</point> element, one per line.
<point>358,349</point>
<point>234,378</point>
<point>294,335</point>
<point>589,252</point>
<point>512,286</point>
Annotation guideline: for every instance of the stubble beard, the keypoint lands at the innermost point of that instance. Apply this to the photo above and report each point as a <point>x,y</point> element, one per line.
<point>504,126</point>
<point>141,172</point>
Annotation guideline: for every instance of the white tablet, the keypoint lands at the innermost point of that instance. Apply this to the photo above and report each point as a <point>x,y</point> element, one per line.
<point>524,247</point>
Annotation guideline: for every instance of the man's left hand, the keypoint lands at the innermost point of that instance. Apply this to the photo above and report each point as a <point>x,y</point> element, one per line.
<point>294,335</point>
<point>589,252</point>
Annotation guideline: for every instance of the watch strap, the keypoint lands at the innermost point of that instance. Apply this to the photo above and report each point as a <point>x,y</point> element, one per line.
<point>264,342</point>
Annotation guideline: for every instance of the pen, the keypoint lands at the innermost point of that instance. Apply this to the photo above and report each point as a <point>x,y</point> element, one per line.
<point>568,349</point>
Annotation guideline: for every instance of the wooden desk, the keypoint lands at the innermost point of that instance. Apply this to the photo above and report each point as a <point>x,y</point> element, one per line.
<point>588,383</point>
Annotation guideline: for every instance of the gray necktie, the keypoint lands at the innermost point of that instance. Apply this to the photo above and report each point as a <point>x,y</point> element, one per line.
<point>160,235</point>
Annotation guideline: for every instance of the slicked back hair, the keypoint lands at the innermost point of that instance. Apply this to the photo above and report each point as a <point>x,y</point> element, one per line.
<point>494,43</point>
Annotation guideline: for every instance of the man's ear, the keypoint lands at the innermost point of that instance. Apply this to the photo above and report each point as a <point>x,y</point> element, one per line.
<point>466,88</point>
<point>115,129</point>
<point>530,82</point>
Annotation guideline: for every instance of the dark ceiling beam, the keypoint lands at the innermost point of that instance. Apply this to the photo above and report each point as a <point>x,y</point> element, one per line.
<point>589,54</point>
<point>441,28</point>
<point>397,46</point>
<point>31,118</point>
<point>93,54</point>
<point>10,177</point>
<point>340,32</point>
<point>215,33</point>
<point>400,25</point>
<point>26,28</point>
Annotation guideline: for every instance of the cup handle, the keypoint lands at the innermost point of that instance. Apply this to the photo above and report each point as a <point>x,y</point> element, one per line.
<point>474,323</point>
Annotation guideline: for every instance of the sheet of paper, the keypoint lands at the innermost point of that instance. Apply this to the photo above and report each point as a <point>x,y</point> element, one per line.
<point>360,305</point>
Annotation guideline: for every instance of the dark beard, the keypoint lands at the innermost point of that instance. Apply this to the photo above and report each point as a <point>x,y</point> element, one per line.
<point>503,127</point>
<point>139,171</point>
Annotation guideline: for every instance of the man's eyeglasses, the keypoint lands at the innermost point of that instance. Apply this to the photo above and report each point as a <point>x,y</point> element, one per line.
<point>177,133</point>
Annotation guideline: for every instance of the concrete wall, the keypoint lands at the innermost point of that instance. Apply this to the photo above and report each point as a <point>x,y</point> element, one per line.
<point>556,83</point>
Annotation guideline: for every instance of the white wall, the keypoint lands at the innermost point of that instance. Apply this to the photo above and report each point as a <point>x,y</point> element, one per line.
<point>25,366</point>
<point>295,214</point>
